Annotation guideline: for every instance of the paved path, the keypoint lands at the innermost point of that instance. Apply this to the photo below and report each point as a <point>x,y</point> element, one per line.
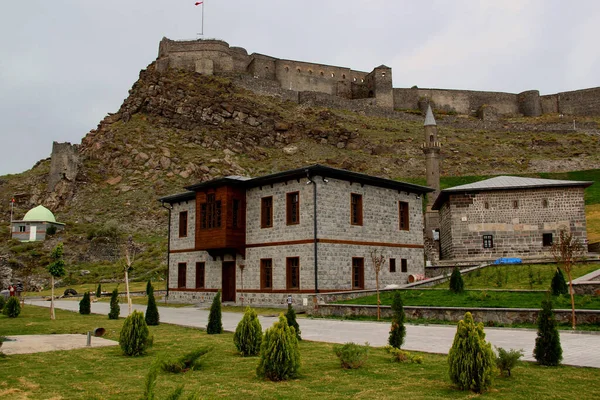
<point>579,349</point>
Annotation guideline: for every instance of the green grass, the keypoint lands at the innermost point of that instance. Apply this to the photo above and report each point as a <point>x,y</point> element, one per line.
<point>478,298</point>
<point>518,276</point>
<point>104,373</point>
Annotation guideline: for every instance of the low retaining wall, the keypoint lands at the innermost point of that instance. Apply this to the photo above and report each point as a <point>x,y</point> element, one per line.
<point>485,315</point>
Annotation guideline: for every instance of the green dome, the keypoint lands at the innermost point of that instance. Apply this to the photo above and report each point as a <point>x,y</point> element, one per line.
<point>39,213</point>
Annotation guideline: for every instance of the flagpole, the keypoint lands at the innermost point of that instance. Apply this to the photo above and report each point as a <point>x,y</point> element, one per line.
<point>12,207</point>
<point>202,29</point>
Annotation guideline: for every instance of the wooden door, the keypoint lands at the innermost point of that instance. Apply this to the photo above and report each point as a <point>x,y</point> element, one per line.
<point>228,281</point>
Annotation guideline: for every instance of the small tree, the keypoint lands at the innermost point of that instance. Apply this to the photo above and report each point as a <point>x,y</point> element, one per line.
<point>149,287</point>
<point>152,316</point>
<point>507,360</point>
<point>130,250</point>
<point>98,291</point>
<point>291,320</point>
<point>12,308</point>
<point>547,349</point>
<point>215,326</point>
<point>279,353</point>
<point>567,251</point>
<point>115,310</point>
<point>85,306</point>
<point>56,269</point>
<point>457,285</point>
<point>135,338</point>
<point>471,359</point>
<point>398,330</point>
<point>378,261</point>
<point>248,334</point>
<point>559,285</point>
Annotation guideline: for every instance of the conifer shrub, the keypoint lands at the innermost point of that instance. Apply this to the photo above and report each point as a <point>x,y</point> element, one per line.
<point>149,288</point>
<point>135,338</point>
<point>98,291</point>
<point>471,359</point>
<point>291,319</point>
<point>152,316</point>
<point>248,334</point>
<point>12,308</point>
<point>188,362</point>
<point>215,326</point>
<point>398,330</point>
<point>352,355</point>
<point>507,360</point>
<point>547,350</point>
<point>559,284</point>
<point>85,306</point>
<point>279,352</point>
<point>115,310</point>
<point>403,356</point>
<point>457,285</point>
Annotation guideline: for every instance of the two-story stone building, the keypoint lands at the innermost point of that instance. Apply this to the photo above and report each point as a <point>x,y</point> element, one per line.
<point>307,230</point>
<point>509,216</point>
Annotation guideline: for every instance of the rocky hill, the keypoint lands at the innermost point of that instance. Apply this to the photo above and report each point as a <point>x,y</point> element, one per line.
<point>178,128</point>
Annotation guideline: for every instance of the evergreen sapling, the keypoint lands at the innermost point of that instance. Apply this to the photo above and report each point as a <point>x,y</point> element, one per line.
<point>398,330</point>
<point>135,338</point>
<point>98,291</point>
<point>248,334</point>
<point>279,353</point>
<point>215,326</point>
<point>547,349</point>
<point>559,284</point>
<point>149,288</point>
<point>115,310</point>
<point>85,306</point>
<point>457,285</point>
<point>152,316</point>
<point>12,308</point>
<point>291,320</point>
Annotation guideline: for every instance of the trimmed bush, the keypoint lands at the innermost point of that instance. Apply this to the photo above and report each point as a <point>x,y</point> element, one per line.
<point>471,359</point>
<point>402,356</point>
<point>188,362</point>
<point>215,326</point>
<point>279,353</point>
<point>149,288</point>
<point>398,330</point>
<point>291,319</point>
<point>152,316</point>
<point>457,285</point>
<point>98,291</point>
<point>547,349</point>
<point>115,310</point>
<point>135,338</point>
<point>559,284</point>
<point>352,355</point>
<point>12,308</point>
<point>248,334</point>
<point>51,230</point>
<point>507,360</point>
<point>85,306</point>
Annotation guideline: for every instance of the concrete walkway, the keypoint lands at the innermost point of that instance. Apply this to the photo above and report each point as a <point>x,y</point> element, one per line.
<point>579,349</point>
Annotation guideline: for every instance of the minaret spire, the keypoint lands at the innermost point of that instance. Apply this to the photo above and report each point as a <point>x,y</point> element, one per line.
<point>431,148</point>
<point>429,119</point>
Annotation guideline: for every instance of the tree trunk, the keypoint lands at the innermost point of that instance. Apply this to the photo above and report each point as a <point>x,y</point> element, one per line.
<point>573,321</point>
<point>127,289</point>
<point>52,315</point>
<point>378,302</point>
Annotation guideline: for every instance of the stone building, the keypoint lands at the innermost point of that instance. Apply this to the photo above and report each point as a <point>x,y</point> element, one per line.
<point>509,216</point>
<point>35,224</point>
<point>302,231</point>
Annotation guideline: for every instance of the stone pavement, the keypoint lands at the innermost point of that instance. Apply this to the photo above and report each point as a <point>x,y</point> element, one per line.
<point>579,349</point>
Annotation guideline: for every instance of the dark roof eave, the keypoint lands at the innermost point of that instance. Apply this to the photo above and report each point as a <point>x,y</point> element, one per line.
<point>175,198</point>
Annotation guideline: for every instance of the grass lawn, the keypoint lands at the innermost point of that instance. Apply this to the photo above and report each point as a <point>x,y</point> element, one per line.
<point>104,373</point>
<point>478,298</point>
<point>535,276</point>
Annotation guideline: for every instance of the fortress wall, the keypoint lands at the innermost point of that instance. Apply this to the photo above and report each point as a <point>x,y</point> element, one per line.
<point>262,67</point>
<point>264,87</point>
<point>549,103</point>
<point>240,58</point>
<point>580,102</point>
<point>325,100</point>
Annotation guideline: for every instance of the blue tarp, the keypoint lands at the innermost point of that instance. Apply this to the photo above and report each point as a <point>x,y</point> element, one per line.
<point>508,260</point>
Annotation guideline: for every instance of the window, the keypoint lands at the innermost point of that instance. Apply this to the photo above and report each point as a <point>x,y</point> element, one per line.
<point>293,273</point>
<point>183,223</point>
<point>358,273</point>
<point>488,241</point>
<point>547,239</point>
<point>515,203</point>
<point>403,265</point>
<point>486,205</point>
<point>293,208</point>
<point>199,275</point>
<point>392,265</point>
<point>210,213</point>
<point>266,212</point>
<point>235,213</point>
<point>356,212</point>
<point>181,269</point>
<point>22,228</point>
<point>545,203</point>
<point>403,214</point>
<point>266,274</point>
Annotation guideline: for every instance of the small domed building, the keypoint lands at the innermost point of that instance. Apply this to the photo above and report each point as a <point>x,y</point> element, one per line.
<point>35,224</point>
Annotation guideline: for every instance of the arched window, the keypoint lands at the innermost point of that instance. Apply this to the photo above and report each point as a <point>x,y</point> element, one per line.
<point>322,73</point>
<point>343,76</point>
<point>310,71</point>
<point>354,79</point>
<point>431,138</point>
<point>545,203</point>
<point>298,70</point>
<point>332,75</point>
<point>287,69</point>
<point>486,205</point>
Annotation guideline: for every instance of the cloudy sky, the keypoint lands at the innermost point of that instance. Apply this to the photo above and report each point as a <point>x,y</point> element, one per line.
<point>65,63</point>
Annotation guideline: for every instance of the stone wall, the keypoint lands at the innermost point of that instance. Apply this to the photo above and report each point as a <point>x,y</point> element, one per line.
<point>64,164</point>
<point>580,102</point>
<point>186,242</point>
<point>316,99</point>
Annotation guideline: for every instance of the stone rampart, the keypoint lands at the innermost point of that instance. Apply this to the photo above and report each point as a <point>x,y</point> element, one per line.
<point>580,102</point>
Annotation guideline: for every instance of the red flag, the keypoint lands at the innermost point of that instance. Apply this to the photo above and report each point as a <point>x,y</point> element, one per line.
<point>13,200</point>
<point>198,3</point>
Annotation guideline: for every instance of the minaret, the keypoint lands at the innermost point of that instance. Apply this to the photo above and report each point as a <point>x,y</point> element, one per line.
<point>431,148</point>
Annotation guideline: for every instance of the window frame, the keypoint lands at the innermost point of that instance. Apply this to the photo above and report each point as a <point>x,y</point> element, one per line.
<point>488,241</point>
<point>403,265</point>
<point>292,208</point>
<point>392,265</point>
<point>403,216</point>
<point>358,273</point>
<point>235,213</point>
<point>289,269</point>
<point>211,212</point>
<point>356,209</point>
<point>22,229</point>
<point>266,264</point>
<point>266,212</point>
<point>200,267</point>
<point>183,224</point>
<point>181,277</point>
<point>545,242</point>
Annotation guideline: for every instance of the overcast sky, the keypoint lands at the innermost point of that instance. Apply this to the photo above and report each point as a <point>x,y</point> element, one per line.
<point>64,64</point>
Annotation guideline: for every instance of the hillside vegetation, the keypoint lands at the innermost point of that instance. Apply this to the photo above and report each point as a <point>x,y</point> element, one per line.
<point>180,127</point>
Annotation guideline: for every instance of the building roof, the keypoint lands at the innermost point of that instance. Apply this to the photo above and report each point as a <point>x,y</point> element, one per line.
<point>39,213</point>
<point>429,119</point>
<point>506,183</point>
<point>299,173</point>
